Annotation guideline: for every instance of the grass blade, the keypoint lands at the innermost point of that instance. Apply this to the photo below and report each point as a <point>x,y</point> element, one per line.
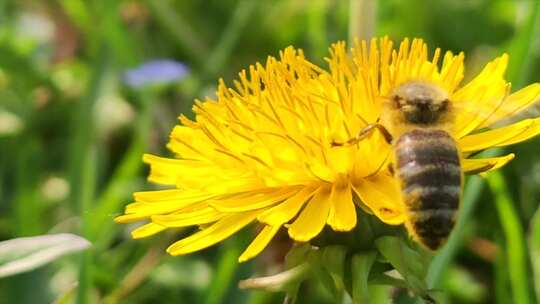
<point>26,254</point>
<point>514,238</point>
<point>534,250</point>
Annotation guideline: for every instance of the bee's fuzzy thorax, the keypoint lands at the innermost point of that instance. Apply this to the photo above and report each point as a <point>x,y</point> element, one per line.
<point>417,104</point>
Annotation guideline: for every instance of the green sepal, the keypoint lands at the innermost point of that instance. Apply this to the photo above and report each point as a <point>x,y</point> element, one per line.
<point>361,267</point>
<point>297,257</point>
<point>333,260</point>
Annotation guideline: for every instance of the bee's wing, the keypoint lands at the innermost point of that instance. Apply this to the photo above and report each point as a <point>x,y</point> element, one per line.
<point>498,113</point>
<point>532,111</point>
<point>502,117</point>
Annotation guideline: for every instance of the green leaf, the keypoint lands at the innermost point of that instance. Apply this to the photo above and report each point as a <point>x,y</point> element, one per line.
<point>361,266</point>
<point>25,254</point>
<point>68,295</point>
<point>383,279</point>
<point>408,262</point>
<point>283,281</point>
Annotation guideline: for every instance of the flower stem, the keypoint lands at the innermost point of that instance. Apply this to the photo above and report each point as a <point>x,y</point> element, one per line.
<point>136,276</point>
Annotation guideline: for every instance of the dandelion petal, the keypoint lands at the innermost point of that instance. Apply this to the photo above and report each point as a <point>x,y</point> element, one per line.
<point>184,219</point>
<point>515,103</point>
<point>147,230</point>
<point>285,211</point>
<point>252,202</point>
<point>504,136</point>
<point>342,213</point>
<point>474,166</point>
<point>312,219</point>
<point>384,203</point>
<point>259,243</point>
<point>213,234</point>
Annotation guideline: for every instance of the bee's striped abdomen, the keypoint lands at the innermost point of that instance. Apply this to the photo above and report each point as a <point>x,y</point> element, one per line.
<point>428,166</point>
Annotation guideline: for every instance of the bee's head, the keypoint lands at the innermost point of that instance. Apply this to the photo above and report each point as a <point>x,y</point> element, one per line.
<point>420,102</point>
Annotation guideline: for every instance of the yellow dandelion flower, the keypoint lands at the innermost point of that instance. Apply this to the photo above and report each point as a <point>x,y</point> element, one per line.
<point>262,152</point>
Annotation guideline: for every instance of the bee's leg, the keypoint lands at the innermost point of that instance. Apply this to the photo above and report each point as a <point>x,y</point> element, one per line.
<point>365,132</point>
<point>387,136</point>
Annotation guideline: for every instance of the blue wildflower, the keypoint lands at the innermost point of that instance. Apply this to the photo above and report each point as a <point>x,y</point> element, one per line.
<point>159,71</point>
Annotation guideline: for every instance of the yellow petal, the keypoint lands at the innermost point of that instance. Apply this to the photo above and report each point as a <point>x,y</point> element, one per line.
<point>252,201</point>
<point>504,136</point>
<point>371,156</point>
<point>515,103</point>
<point>144,210</point>
<point>312,219</point>
<point>473,115</point>
<point>259,243</point>
<point>198,217</point>
<point>284,212</point>
<point>212,234</point>
<point>479,165</point>
<point>160,202</point>
<point>189,142</point>
<point>531,131</point>
<point>232,185</point>
<point>147,230</point>
<point>385,202</point>
<point>163,170</point>
<point>342,212</point>
<point>452,70</point>
<point>170,195</point>
<point>129,218</point>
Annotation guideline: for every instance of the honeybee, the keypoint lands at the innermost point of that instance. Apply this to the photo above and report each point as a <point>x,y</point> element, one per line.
<point>417,119</point>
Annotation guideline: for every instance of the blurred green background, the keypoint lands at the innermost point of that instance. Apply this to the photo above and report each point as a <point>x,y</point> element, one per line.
<point>72,132</point>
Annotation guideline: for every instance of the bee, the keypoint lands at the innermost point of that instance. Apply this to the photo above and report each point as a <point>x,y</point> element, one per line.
<point>417,119</point>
